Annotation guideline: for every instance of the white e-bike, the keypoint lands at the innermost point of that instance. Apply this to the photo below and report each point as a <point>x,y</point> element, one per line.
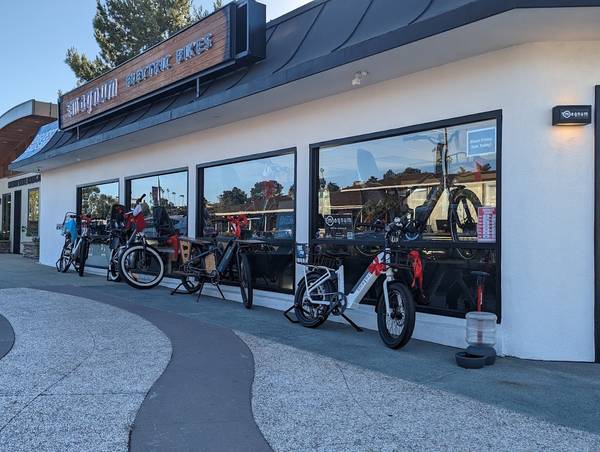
<point>320,292</point>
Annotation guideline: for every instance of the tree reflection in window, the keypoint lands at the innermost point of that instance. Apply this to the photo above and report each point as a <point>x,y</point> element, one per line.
<point>405,176</point>
<point>263,190</point>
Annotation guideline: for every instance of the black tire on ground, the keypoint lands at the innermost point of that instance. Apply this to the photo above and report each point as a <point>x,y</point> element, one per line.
<point>64,261</point>
<point>311,315</point>
<point>245,275</point>
<point>403,322</point>
<point>149,257</point>
<point>112,273</point>
<point>83,254</point>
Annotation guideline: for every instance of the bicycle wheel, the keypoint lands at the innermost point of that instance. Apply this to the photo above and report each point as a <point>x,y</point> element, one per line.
<point>312,315</point>
<point>245,276</point>
<point>64,261</point>
<point>83,254</point>
<point>462,216</point>
<point>112,273</point>
<point>396,328</point>
<point>142,267</point>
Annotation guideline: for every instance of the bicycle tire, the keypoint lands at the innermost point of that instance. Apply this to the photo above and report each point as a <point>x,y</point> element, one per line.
<point>396,291</point>
<point>83,254</point>
<point>147,251</point>
<point>311,318</point>
<point>64,261</point>
<point>459,197</point>
<point>245,276</point>
<point>112,272</point>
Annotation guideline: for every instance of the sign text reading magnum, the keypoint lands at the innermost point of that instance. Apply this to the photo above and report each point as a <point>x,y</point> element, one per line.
<point>187,52</point>
<point>90,100</point>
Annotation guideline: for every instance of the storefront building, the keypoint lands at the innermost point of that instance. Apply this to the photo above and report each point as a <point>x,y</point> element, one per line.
<point>19,191</point>
<point>341,115</point>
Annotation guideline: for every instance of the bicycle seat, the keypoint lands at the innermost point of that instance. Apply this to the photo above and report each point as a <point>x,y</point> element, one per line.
<point>480,274</point>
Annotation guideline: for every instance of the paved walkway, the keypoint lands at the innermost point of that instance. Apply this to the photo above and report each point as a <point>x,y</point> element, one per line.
<point>77,374</point>
<point>330,388</point>
<point>304,401</point>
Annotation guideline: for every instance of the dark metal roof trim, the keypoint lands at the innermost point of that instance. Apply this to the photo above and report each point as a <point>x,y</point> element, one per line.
<point>263,76</point>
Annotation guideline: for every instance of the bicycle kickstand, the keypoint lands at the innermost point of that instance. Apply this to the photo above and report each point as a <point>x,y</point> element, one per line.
<point>286,314</point>
<point>176,290</point>
<point>352,324</point>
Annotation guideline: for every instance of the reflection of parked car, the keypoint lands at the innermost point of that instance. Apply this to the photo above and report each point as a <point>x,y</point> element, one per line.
<point>284,226</point>
<point>180,223</point>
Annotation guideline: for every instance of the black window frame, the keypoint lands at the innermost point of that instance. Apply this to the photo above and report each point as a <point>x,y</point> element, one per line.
<point>79,188</point>
<point>129,179</point>
<point>79,200</point>
<point>28,234</point>
<point>246,158</point>
<point>496,115</point>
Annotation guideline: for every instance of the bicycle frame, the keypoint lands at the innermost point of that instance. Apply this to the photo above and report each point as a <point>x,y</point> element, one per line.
<point>381,264</point>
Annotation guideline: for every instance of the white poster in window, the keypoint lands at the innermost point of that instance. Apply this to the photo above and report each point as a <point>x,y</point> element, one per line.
<point>486,224</point>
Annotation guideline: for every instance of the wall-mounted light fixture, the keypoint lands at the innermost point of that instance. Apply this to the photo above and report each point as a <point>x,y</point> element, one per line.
<point>572,115</point>
<point>359,77</point>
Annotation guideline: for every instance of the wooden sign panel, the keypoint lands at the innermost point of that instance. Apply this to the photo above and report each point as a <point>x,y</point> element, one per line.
<point>197,49</point>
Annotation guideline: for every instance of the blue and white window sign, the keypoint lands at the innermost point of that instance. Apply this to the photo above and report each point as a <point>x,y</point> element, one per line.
<point>481,141</point>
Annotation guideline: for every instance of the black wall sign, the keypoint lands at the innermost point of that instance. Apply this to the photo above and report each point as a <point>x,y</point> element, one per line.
<point>572,115</point>
<point>24,181</point>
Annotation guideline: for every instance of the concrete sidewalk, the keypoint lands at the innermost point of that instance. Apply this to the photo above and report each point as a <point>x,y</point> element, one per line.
<point>561,395</point>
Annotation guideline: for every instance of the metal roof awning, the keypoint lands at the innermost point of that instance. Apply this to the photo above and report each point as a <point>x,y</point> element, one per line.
<point>313,51</point>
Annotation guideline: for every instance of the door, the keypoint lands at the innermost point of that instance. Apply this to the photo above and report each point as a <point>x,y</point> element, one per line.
<point>17,223</point>
<point>6,219</point>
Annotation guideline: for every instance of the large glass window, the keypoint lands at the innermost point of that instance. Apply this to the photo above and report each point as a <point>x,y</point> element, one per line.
<point>169,190</point>
<point>33,212</point>
<point>263,191</point>
<point>413,177</point>
<point>441,183</point>
<point>96,201</point>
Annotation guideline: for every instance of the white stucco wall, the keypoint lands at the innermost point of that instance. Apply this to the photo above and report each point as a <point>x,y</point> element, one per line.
<point>547,178</point>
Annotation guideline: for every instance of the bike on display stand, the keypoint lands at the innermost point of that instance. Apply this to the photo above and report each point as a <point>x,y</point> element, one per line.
<point>193,261</point>
<point>77,242</point>
<point>320,292</point>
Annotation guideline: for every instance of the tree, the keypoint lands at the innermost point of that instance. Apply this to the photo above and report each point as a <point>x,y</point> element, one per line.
<point>125,28</point>
<point>202,12</point>
<point>266,189</point>
<point>234,197</point>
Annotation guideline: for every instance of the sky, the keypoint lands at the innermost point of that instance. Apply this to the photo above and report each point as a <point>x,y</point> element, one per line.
<point>35,35</point>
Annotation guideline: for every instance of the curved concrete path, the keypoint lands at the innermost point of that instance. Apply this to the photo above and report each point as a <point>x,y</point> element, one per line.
<point>304,401</point>
<point>7,336</point>
<point>202,401</point>
<point>77,373</point>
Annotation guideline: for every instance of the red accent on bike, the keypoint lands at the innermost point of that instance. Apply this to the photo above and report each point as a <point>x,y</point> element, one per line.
<point>417,268</point>
<point>376,267</point>
<point>173,242</point>
<point>236,223</point>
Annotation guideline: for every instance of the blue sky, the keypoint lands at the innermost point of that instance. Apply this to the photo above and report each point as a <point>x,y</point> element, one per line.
<point>34,37</point>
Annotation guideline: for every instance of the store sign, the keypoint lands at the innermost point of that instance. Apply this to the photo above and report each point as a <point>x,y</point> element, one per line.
<point>228,38</point>
<point>572,115</point>
<point>339,226</point>
<point>24,181</point>
<point>486,224</point>
<point>481,141</point>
